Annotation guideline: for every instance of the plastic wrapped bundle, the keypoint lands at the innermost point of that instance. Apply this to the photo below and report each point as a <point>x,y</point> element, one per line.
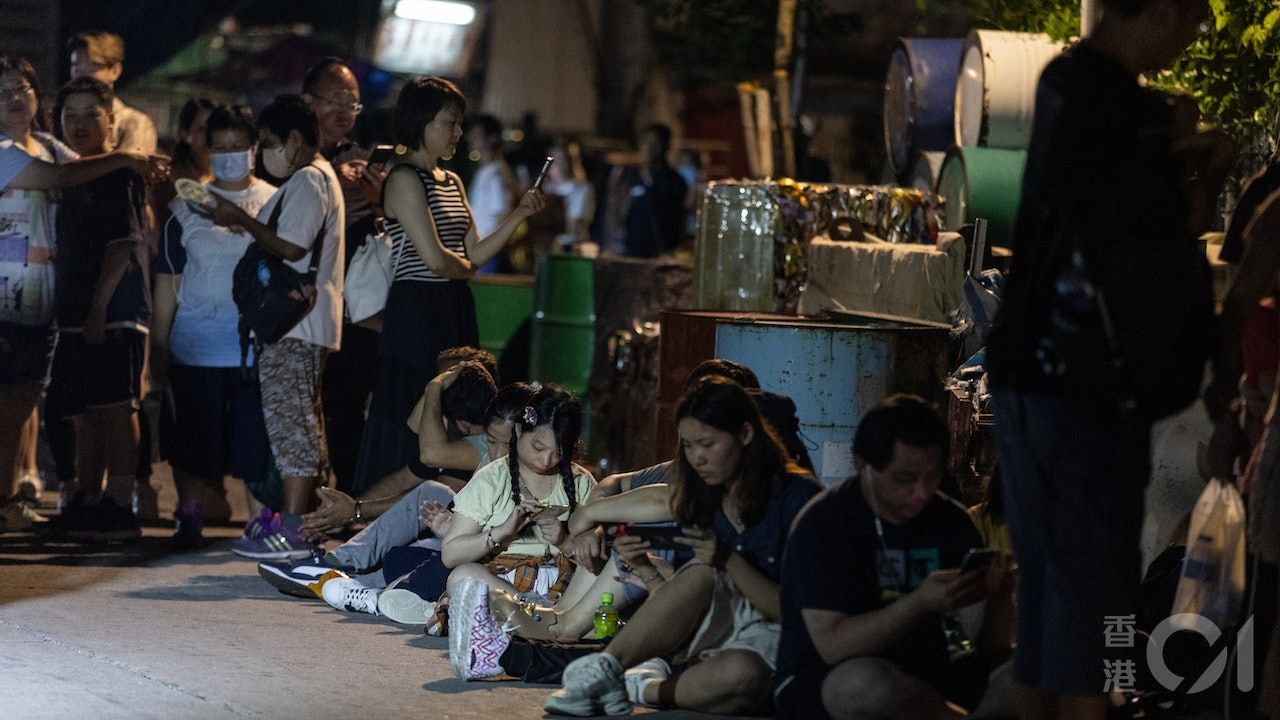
<point>752,236</point>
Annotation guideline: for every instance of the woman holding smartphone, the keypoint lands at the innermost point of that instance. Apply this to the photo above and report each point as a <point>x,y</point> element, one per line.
<point>437,249</point>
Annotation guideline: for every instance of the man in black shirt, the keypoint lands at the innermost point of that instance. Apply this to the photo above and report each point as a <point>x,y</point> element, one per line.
<point>103,311</point>
<point>869,573</point>
<point>1105,327</point>
<point>647,202</point>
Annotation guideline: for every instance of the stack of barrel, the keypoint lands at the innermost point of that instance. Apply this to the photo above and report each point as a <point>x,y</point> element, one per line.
<point>957,120</point>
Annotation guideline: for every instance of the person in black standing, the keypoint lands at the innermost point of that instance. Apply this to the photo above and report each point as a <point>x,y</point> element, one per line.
<point>331,90</point>
<point>1105,328</point>
<point>647,214</point>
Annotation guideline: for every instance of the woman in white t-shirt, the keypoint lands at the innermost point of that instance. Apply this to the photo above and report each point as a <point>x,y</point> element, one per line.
<point>568,179</point>
<point>216,423</point>
<point>27,244</point>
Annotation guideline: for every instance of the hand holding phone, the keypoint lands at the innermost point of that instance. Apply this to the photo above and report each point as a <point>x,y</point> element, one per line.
<point>977,559</point>
<point>659,537</point>
<point>382,154</point>
<point>542,174</point>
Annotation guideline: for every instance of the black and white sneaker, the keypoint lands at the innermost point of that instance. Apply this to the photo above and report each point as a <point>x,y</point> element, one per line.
<point>300,578</point>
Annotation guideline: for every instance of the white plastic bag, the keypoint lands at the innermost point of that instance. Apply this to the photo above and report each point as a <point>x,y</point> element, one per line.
<point>1212,581</point>
<point>369,277</point>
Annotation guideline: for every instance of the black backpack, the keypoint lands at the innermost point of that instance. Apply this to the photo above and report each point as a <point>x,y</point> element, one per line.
<point>271,296</point>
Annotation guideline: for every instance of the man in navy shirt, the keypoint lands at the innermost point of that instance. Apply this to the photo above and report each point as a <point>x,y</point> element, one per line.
<point>869,574</point>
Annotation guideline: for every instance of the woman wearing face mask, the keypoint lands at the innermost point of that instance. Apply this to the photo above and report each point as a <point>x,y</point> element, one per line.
<point>217,423</point>
<point>302,222</point>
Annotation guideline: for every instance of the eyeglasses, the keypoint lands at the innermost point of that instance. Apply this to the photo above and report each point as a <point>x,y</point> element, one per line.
<point>344,104</point>
<point>11,90</point>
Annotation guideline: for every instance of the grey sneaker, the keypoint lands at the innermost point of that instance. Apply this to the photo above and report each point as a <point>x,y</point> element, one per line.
<point>592,685</point>
<point>405,607</point>
<point>639,677</point>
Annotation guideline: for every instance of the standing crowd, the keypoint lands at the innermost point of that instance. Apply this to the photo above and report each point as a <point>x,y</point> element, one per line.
<point>745,586</point>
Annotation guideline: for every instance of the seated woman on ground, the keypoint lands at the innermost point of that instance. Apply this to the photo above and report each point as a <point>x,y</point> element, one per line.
<point>737,493</point>
<point>337,509</point>
<point>508,530</point>
<point>399,539</point>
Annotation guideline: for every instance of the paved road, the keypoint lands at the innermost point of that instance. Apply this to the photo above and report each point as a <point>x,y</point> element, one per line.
<point>133,631</point>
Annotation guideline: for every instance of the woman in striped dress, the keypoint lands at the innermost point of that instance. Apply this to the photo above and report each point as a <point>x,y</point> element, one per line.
<point>437,248</point>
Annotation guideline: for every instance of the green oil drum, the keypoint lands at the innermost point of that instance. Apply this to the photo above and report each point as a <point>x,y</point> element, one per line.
<point>979,182</point>
<point>564,322</point>
<point>503,304</point>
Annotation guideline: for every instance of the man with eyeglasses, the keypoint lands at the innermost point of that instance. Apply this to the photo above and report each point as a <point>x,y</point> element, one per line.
<point>101,55</point>
<point>331,90</point>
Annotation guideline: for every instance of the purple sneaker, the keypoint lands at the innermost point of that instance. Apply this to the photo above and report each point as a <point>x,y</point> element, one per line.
<point>282,544</point>
<point>264,524</point>
<point>188,526</point>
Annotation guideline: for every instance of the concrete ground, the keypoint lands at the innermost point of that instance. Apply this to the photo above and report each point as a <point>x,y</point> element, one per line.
<point>136,631</point>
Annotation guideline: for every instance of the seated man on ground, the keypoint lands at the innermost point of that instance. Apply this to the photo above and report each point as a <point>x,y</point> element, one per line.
<point>736,493</point>
<point>337,509</point>
<point>868,641</point>
<point>400,526</point>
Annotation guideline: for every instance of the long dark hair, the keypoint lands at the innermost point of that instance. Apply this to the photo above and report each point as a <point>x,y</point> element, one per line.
<point>558,408</point>
<point>508,404</point>
<point>726,406</point>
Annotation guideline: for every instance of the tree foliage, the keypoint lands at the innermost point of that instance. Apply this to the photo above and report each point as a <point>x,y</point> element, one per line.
<point>731,40</point>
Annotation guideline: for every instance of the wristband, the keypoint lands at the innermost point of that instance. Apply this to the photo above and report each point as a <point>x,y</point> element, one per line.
<point>489,541</point>
<point>359,512</point>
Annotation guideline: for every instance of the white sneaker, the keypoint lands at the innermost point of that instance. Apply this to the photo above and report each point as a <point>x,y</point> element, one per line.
<point>592,684</point>
<point>349,595</point>
<point>405,606</point>
<point>639,677</point>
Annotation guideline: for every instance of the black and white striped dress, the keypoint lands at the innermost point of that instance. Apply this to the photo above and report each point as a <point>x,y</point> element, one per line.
<point>449,211</point>
<point>425,314</point>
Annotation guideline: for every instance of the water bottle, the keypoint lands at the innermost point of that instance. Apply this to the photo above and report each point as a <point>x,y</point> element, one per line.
<point>606,619</point>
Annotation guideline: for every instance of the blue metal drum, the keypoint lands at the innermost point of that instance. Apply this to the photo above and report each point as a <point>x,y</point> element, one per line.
<point>836,371</point>
<point>919,99</point>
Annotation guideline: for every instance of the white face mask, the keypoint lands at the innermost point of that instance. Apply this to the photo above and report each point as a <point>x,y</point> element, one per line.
<point>276,162</point>
<point>232,166</point>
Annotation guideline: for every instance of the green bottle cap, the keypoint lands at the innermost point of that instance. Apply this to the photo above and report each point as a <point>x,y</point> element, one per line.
<point>606,598</point>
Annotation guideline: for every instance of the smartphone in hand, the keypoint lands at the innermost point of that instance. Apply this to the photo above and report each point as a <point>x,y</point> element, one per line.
<point>542,174</point>
<point>977,559</point>
<point>659,537</point>
<point>382,154</point>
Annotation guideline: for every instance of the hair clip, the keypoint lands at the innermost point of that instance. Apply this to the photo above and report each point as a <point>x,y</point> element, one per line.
<point>530,416</point>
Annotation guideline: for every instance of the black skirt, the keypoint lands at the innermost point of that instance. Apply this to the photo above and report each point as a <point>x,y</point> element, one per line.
<point>420,320</point>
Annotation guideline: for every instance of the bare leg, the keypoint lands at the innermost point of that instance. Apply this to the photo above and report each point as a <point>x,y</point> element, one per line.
<point>30,442</point>
<point>91,462</point>
<point>120,436</point>
<point>479,573</point>
<point>562,622</point>
<point>735,682</point>
<point>298,492</point>
<point>668,619</point>
<point>17,406</point>
<point>870,688</point>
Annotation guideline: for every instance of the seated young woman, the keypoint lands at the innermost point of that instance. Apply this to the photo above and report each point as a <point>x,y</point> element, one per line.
<point>736,494</point>
<point>509,533</point>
